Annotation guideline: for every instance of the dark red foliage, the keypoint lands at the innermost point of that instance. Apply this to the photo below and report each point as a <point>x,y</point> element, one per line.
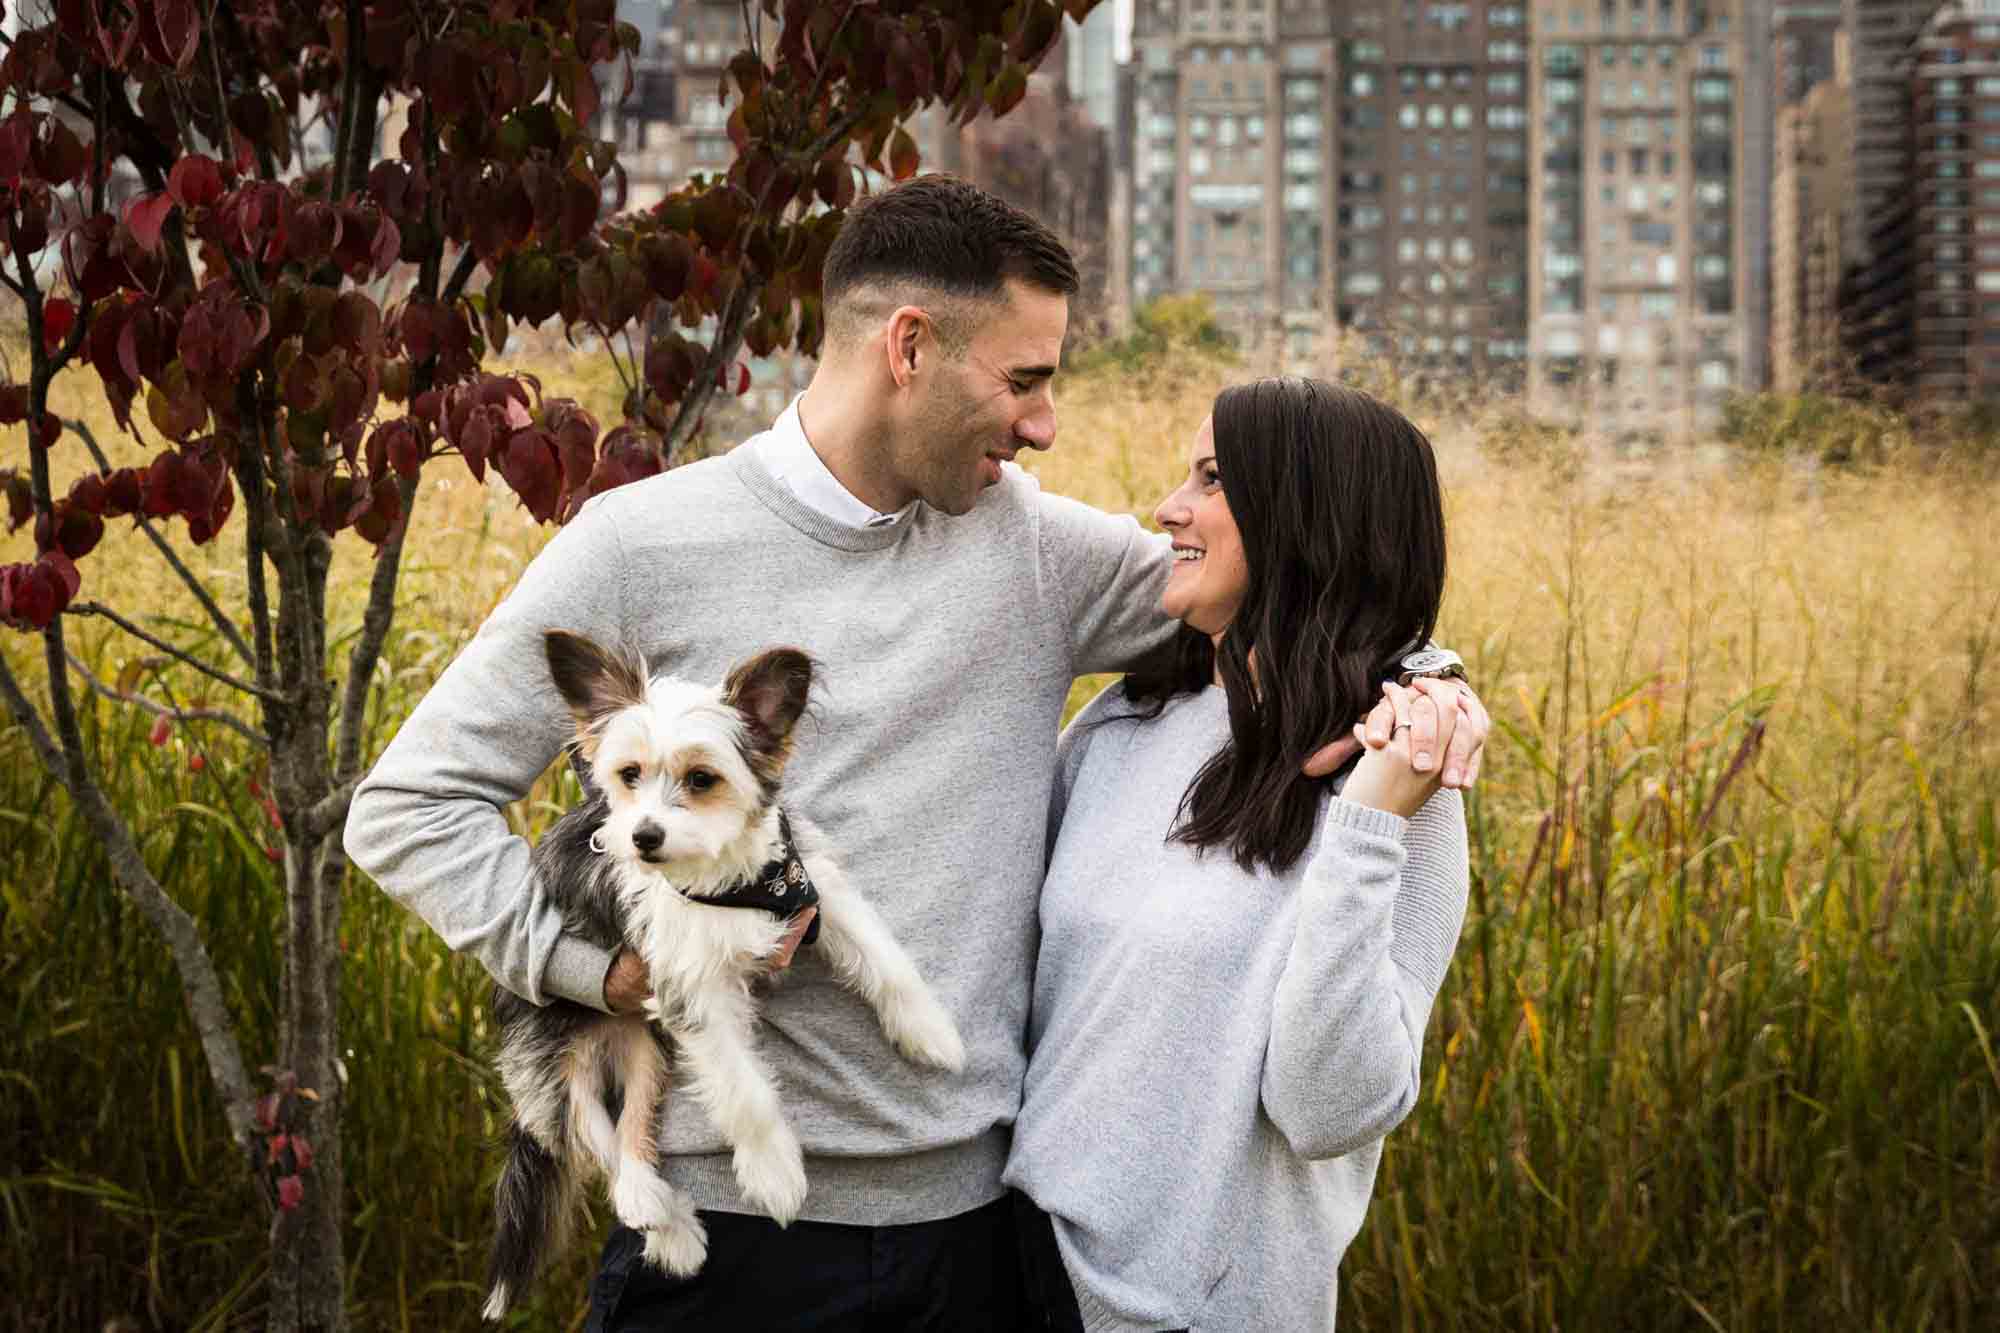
<point>230,294</point>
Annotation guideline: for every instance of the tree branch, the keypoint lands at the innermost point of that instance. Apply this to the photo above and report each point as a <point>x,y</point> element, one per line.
<point>461,273</point>
<point>367,651</point>
<point>736,312</point>
<point>180,654</point>
<point>200,984</point>
<point>330,811</point>
<point>352,62</point>
<point>157,709</point>
<point>223,625</point>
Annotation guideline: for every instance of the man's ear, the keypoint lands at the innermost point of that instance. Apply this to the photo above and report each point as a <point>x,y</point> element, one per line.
<point>909,337</point>
<point>594,683</point>
<point>770,691</point>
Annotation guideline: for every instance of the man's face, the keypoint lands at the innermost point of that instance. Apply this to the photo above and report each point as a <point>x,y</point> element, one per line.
<point>977,410</point>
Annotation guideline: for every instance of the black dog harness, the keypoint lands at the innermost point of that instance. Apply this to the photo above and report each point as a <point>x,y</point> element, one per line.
<point>782,887</point>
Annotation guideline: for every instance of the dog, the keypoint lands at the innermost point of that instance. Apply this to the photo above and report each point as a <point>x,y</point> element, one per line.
<point>680,839</point>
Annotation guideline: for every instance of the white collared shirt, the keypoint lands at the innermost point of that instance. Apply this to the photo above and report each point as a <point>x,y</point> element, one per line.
<point>792,460</point>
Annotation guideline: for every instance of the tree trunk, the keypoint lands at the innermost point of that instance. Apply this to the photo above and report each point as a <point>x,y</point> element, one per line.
<point>308,1264</point>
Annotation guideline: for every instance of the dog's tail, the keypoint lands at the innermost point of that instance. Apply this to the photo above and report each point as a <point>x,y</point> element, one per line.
<point>531,1205</point>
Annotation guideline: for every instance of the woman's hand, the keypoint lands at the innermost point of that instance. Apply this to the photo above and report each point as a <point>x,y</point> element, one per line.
<point>1445,718</point>
<point>1390,775</point>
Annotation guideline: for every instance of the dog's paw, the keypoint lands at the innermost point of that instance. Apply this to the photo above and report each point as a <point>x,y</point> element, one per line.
<point>772,1174</point>
<point>678,1246</point>
<point>923,1031</point>
<point>642,1200</point>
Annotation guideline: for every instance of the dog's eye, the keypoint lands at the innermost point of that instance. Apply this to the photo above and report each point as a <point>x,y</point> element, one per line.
<point>629,775</point>
<point>700,779</point>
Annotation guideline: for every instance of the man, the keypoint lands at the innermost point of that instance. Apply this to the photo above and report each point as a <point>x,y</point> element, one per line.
<point>951,604</point>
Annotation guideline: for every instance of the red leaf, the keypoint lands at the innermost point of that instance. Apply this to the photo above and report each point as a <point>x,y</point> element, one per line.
<point>197,762</point>
<point>59,155</point>
<point>291,1192</point>
<point>196,182</point>
<point>20,498</point>
<point>302,1152</point>
<point>529,464</point>
<point>580,202</point>
<point>58,318</point>
<point>163,728</point>
<point>88,494</point>
<point>179,31</point>
<point>146,215</point>
<point>1007,90</point>
<point>122,493</point>
<point>33,595</point>
<point>902,155</point>
<point>77,531</point>
<point>387,246</point>
<point>17,132</point>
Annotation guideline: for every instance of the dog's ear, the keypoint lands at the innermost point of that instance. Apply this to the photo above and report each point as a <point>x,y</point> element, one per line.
<point>594,683</point>
<point>770,690</point>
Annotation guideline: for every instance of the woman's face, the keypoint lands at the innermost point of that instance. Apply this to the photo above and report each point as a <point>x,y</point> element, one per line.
<point>1210,576</point>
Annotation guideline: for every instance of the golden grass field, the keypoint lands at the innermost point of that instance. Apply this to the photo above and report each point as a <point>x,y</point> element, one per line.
<point>1717,1050</point>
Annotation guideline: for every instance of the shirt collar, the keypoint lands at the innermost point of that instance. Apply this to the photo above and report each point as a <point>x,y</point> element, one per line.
<point>793,461</point>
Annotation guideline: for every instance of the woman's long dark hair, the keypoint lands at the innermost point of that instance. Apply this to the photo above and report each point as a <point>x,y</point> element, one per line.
<point>1337,500</point>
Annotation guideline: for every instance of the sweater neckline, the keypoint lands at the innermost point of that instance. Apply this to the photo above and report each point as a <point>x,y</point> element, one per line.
<point>778,498</point>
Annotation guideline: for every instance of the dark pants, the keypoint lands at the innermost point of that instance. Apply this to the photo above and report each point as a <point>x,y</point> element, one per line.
<point>961,1274</point>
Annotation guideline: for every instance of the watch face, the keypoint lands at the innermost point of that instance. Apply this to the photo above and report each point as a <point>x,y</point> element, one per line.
<point>1430,659</point>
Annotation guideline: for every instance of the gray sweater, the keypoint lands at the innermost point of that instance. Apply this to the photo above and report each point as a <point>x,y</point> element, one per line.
<point>948,646</point>
<point>1216,1055</point>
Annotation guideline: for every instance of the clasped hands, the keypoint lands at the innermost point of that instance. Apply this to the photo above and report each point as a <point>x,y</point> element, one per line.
<point>1419,737</point>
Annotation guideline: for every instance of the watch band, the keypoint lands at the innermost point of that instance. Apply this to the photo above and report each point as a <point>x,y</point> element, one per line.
<point>1439,663</point>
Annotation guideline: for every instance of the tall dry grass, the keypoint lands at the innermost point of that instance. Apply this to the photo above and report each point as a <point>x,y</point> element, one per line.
<point>1717,1050</point>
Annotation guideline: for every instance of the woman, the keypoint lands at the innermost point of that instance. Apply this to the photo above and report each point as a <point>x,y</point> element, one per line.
<point>1237,963</point>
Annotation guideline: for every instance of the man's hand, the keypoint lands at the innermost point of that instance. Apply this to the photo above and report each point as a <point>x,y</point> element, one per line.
<point>627,987</point>
<point>1444,716</point>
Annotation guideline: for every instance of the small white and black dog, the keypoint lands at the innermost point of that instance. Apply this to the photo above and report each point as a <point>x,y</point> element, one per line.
<point>679,842</point>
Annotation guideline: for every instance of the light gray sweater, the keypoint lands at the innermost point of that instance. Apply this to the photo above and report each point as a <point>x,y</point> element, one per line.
<point>1216,1055</point>
<point>948,646</point>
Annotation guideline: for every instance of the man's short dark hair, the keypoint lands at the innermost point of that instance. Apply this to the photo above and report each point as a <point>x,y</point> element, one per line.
<point>948,235</point>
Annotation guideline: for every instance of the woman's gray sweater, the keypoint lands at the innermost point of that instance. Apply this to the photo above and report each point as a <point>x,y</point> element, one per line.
<point>1215,1055</point>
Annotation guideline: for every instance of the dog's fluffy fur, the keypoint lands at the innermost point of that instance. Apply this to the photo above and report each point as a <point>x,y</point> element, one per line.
<point>682,783</point>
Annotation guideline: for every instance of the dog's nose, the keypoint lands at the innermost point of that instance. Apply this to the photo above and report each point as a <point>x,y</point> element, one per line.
<point>648,837</point>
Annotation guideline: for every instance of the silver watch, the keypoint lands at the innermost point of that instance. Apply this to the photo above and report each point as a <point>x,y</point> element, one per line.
<point>1441,663</point>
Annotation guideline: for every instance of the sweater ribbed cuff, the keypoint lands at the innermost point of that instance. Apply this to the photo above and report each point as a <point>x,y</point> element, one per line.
<point>1343,813</point>
<point>576,970</point>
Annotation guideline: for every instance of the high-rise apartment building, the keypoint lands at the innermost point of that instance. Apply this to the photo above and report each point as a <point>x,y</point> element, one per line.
<point>1880,32</point>
<point>1313,164</point>
<point>1651,182</point>
<point>1922,312</point>
<point>1206,205</point>
<point>1431,182</point>
<point>1814,179</point>
<point>1802,49</point>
